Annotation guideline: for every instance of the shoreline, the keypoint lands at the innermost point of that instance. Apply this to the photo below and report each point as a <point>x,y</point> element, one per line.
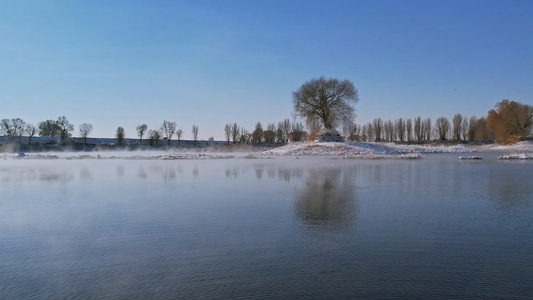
<point>346,150</point>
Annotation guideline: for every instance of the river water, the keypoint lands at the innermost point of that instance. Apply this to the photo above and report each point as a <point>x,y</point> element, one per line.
<point>308,228</point>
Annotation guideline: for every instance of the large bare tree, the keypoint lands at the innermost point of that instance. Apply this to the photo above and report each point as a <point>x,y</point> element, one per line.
<point>195,133</point>
<point>269,135</point>
<point>388,129</point>
<point>235,132</point>
<point>409,129</point>
<point>141,130</point>
<point>120,135</point>
<point>49,128</point>
<point>5,128</point>
<point>13,127</point>
<point>426,128</point>
<point>377,127</point>
<point>399,124</point>
<point>257,134</point>
<point>168,128</point>
<point>19,126</point>
<point>418,129</point>
<point>482,131</point>
<point>464,128</point>
<point>31,130</point>
<point>64,127</point>
<point>442,126</point>
<point>285,128</point>
<point>153,137</point>
<point>85,130</point>
<point>227,132</point>
<point>328,102</point>
<point>457,126</point>
<point>370,132</point>
<point>179,133</point>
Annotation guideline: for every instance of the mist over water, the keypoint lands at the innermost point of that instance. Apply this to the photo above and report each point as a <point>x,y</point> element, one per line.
<point>280,228</point>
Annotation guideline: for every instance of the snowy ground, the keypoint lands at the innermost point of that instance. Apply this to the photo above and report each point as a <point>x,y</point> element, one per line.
<point>390,150</point>
<point>526,146</point>
<point>517,156</point>
<point>522,150</point>
<point>345,150</point>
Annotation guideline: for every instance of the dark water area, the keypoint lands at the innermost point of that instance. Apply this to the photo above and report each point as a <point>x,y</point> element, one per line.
<point>309,228</point>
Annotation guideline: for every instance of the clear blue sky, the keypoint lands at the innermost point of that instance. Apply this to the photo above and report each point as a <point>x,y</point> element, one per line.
<point>124,63</point>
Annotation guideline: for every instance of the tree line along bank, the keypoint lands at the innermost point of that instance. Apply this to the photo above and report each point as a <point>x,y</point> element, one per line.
<point>325,104</point>
<point>460,128</point>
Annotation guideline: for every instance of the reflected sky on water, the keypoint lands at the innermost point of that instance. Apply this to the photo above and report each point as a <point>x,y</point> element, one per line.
<point>280,228</point>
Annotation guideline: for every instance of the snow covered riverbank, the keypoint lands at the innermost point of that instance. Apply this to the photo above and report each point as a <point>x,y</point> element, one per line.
<point>363,149</point>
<point>358,150</point>
<point>132,155</point>
<point>517,156</point>
<point>389,148</point>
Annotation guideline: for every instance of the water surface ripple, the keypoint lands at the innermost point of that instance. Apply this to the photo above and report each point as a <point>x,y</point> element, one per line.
<point>312,228</point>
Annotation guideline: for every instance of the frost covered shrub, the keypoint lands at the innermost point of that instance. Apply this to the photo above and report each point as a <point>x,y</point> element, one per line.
<point>329,136</point>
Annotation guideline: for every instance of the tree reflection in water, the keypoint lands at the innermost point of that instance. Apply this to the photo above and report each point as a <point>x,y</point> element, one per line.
<point>141,173</point>
<point>327,201</point>
<point>169,174</point>
<point>121,170</point>
<point>85,174</point>
<point>272,172</point>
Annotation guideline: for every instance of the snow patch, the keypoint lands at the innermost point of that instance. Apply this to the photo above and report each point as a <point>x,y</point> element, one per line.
<point>363,150</point>
<point>524,146</point>
<point>429,148</point>
<point>472,157</point>
<point>316,148</point>
<point>517,156</point>
<point>384,156</point>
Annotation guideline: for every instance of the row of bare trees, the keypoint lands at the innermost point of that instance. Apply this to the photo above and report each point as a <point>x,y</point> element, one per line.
<point>461,128</point>
<point>16,127</point>
<point>506,125</point>
<point>281,133</point>
<point>509,122</point>
<point>62,128</point>
<point>328,104</point>
<point>166,131</point>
